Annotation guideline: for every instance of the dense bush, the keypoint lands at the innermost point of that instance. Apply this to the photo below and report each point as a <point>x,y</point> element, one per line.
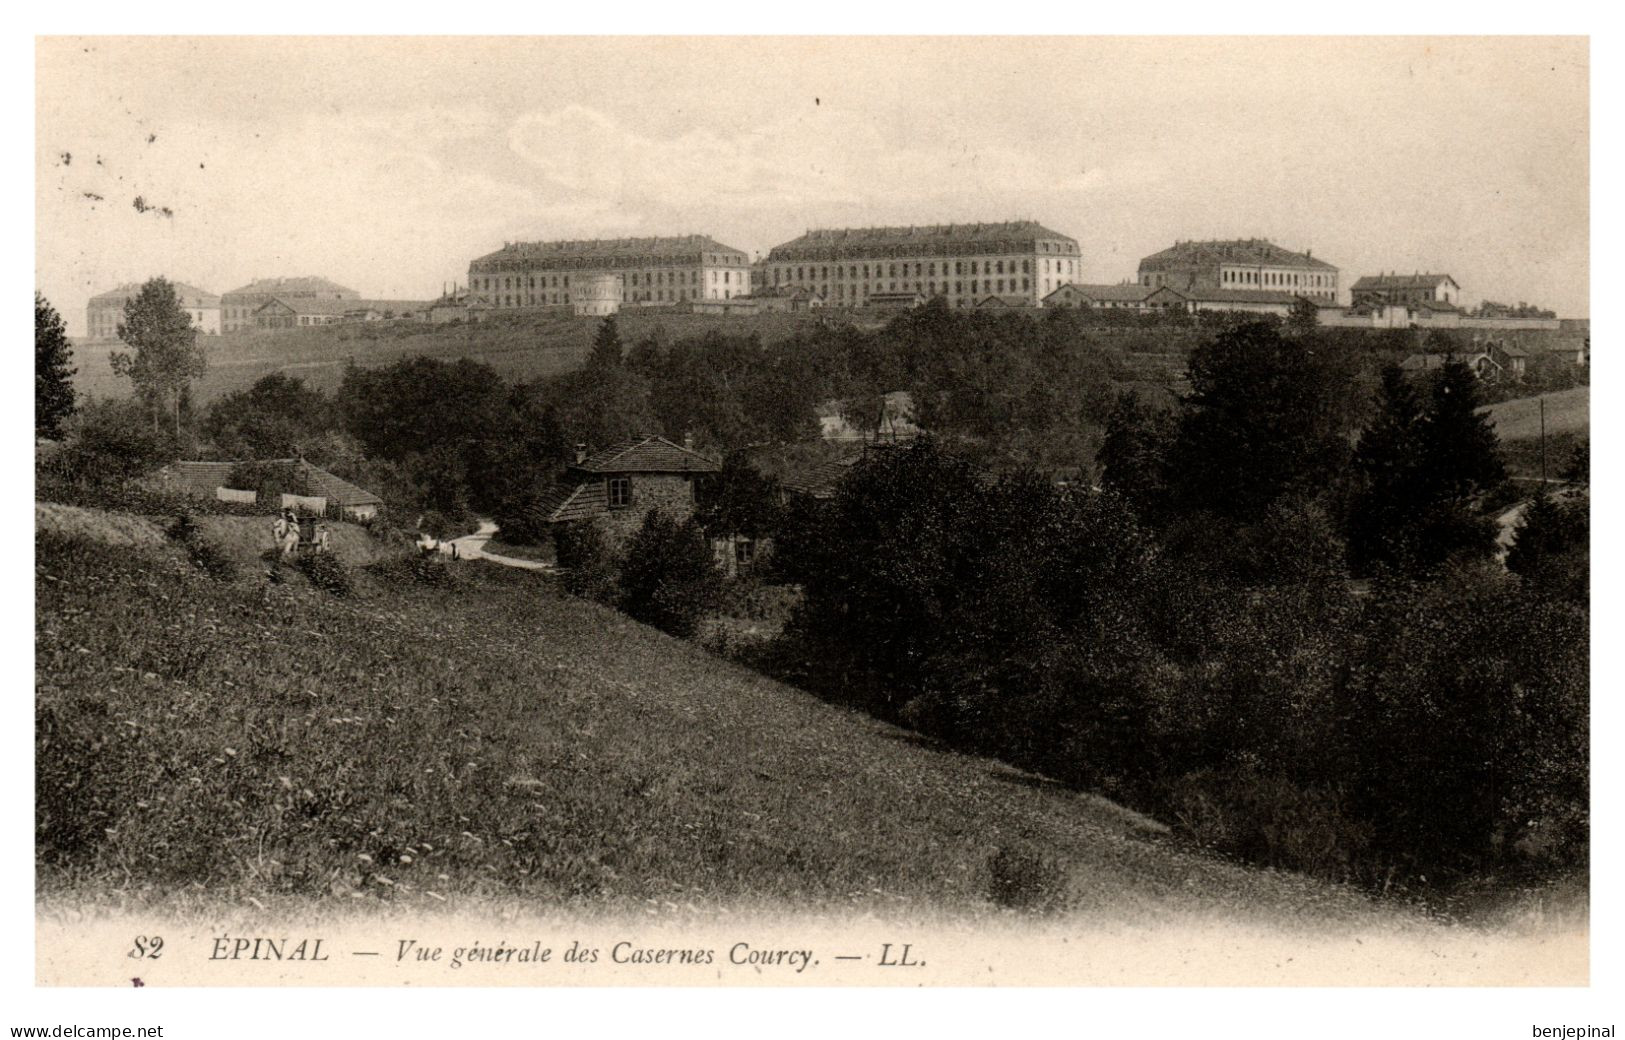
<point>668,578</point>
<point>590,567</point>
<point>1222,673</point>
<point>324,571</point>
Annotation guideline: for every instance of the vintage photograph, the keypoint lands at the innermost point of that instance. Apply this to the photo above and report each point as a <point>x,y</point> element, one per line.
<point>812,511</point>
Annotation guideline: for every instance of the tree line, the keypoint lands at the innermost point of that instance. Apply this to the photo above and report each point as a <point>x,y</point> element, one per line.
<point>1293,645</point>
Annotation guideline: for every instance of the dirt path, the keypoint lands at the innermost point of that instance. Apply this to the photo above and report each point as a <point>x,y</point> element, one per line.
<point>472,547</point>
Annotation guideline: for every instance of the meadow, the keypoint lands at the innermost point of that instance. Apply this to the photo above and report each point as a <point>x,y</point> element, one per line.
<point>448,737</point>
<point>520,347</point>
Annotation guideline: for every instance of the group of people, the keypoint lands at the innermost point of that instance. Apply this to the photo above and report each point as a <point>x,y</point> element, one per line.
<point>286,531</point>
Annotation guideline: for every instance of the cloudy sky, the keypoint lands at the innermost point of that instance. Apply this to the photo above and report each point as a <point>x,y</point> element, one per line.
<point>388,164</point>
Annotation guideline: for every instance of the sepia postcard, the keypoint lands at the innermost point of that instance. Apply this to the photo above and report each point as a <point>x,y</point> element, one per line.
<point>812,511</point>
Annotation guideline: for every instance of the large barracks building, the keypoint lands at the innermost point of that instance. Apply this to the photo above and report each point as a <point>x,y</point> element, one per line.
<point>650,270</point>
<point>1018,261</point>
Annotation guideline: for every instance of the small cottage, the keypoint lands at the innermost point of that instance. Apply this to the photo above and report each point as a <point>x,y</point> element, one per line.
<point>617,487</point>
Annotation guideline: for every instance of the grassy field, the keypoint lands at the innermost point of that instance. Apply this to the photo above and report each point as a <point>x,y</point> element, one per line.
<point>433,745</point>
<point>1567,412</point>
<point>522,347</point>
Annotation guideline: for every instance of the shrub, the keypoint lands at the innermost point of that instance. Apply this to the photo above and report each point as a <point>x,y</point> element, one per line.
<point>589,566</point>
<point>1022,878</point>
<point>1271,821</point>
<point>668,579</point>
<point>206,556</point>
<point>325,572</point>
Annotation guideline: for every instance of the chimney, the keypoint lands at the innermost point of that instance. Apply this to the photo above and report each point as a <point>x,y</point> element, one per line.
<point>688,442</point>
<point>581,454</point>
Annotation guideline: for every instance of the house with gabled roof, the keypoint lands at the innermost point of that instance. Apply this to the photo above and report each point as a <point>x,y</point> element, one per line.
<point>1416,288</point>
<point>617,487</point>
<point>339,498</point>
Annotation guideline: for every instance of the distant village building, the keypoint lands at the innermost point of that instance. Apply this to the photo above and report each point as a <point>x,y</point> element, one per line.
<point>457,305</point>
<point>784,298</point>
<point>1482,364</point>
<point>895,301</point>
<point>277,313</point>
<point>617,487</point>
<point>239,307</point>
<point>1248,264</point>
<point>1252,301</point>
<point>307,483</point>
<point>1127,296</point>
<point>652,270</point>
<point>106,310</point>
<point>1406,288</point>
<point>597,295</point>
<point>964,263</point>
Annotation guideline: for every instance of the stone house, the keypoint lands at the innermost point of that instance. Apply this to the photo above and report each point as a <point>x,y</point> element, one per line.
<point>616,488</point>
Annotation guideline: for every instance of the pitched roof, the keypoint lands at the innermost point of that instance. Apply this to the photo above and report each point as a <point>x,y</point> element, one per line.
<point>199,478</point>
<point>275,286</point>
<point>1004,301</point>
<point>1238,296</point>
<point>1259,251</point>
<point>1421,362</point>
<point>202,478</point>
<point>608,250</point>
<point>918,240</point>
<point>312,306</point>
<point>1401,281</point>
<point>577,501</point>
<point>189,295</point>
<point>820,481</point>
<point>648,455</point>
<point>1130,291</point>
<point>336,489</point>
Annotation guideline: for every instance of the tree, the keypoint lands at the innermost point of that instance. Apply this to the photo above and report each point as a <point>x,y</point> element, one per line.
<point>1264,415</point>
<point>668,578</point>
<point>1387,459</point>
<point>1461,453</point>
<point>606,345</point>
<point>167,355</point>
<point>277,416</point>
<point>738,501</point>
<point>1133,458</point>
<point>1304,318</point>
<point>53,388</point>
<point>1551,548</point>
<point>1422,471</point>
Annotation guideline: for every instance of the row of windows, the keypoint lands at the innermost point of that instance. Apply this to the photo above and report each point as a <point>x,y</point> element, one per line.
<point>960,267</point>
<point>668,278</point>
<point>1276,278</point>
<point>560,299</point>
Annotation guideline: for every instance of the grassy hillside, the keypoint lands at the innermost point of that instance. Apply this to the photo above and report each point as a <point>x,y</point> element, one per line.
<point>435,746</point>
<point>519,347</point>
<point>1567,412</point>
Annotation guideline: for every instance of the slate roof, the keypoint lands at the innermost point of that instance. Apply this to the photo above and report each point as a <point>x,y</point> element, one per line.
<point>1238,296</point>
<point>1004,301</point>
<point>310,306</point>
<point>918,240</point>
<point>1129,292</point>
<point>1259,251</point>
<point>275,286</point>
<point>189,295</point>
<point>648,455</point>
<point>1401,281</point>
<point>608,251</point>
